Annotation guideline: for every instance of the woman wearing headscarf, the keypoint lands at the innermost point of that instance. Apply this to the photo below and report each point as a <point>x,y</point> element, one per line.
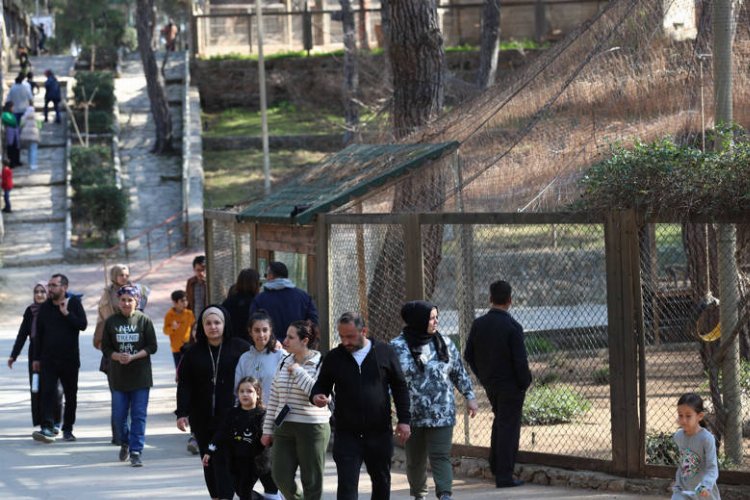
<point>432,367</point>
<point>119,276</point>
<point>28,330</point>
<point>129,341</point>
<point>241,295</point>
<point>205,391</point>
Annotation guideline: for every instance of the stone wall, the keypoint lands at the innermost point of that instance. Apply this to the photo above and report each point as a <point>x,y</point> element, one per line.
<point>316,82</point>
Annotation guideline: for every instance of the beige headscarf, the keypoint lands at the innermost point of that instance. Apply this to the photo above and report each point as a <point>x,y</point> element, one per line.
<point>212,310</point>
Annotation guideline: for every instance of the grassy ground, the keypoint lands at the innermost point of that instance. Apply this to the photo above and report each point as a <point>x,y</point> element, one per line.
<point>282,120</point>
<point>232,177</point>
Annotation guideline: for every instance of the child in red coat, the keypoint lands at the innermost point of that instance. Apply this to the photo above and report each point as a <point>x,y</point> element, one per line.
<point>7,185</point>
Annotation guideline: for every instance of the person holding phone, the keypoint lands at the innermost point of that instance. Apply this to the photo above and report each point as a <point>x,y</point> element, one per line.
<point>57,357</point>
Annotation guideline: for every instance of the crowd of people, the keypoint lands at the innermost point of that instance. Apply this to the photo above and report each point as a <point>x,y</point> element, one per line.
<point>22,130</point>
<point>262,402</point>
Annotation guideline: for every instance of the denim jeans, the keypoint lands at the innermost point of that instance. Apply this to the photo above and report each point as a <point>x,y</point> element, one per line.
<point>134,403</point>
<point>33,154</point>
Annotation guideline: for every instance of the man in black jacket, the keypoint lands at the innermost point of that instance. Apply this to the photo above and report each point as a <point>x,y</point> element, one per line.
<point>364,374</point>
<point>496,354</point>
<point>56,356</point>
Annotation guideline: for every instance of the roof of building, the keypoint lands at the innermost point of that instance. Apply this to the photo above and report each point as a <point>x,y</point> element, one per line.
<point>353,172</point>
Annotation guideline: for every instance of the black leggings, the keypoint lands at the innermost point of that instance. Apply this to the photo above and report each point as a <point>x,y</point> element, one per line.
<point>245,475</point>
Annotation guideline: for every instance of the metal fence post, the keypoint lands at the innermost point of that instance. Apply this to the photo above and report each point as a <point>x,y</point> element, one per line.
<point>623,276</point>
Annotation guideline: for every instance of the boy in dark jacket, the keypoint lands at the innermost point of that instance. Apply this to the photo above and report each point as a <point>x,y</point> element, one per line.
<point>365,373</point>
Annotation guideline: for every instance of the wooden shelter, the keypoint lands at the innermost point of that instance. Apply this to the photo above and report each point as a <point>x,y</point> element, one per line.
<point>283,225</point>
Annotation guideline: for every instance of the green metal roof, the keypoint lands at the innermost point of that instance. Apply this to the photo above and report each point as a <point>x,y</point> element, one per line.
<point>346,175</point>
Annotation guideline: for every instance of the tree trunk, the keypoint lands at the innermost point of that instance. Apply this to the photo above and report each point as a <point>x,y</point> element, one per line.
<point>417,57</point>
<point>351,73</point>
<point>364,43</point>
<point>156,94</point>
<point>489,45</point>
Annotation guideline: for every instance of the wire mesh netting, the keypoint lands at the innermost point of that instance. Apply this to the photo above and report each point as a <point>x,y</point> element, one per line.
<point>230,245</point>
<point>233,30</point>
<point>558,273</point>
<point>685,345</point>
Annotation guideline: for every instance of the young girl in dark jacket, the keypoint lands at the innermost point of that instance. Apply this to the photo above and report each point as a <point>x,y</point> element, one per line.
<point>239,435</point>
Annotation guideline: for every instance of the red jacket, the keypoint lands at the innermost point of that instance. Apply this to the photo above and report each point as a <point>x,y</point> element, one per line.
<point>7,184</point>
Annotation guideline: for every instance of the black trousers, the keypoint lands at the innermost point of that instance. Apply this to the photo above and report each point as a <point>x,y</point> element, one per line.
<point>506,432</point>
<point>66,373</point>
<point>217,476</point>
<point>245,476</point>
<point>36,402</point>
<point>350,450</point>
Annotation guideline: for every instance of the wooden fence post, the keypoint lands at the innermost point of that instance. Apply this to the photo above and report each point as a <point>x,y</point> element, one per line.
<point>623,281</point>
<point>414,261</point>
<point>322,232</point>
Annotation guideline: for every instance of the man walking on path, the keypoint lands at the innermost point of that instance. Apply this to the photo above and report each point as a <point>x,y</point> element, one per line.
<point>57,357</point>
<point>496,353</point>
<point>196,288</point>
<point>364,374</point>
<point>284,302</point>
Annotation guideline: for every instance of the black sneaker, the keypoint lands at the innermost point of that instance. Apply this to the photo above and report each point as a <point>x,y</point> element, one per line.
<point>44,436</point>
<point>135,459</point>
<point>68,436</point>
<point>123,455</point>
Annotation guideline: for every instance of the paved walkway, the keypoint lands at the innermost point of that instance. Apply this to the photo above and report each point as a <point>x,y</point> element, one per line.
<point>154,182</point>
<point>35,231</point>
<point>89,468</point>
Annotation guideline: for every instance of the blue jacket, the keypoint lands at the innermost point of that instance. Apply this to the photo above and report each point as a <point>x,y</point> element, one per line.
<point>284,303</point>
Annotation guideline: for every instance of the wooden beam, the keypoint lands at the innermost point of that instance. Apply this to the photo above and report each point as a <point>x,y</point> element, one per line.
<point>322,281</point>
<point>410,224</point>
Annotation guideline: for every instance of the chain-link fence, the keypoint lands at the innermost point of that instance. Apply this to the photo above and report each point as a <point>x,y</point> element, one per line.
<point>558,274</point>
<point>233,29</point>
<point>685,280</point>
<point>611,348</point>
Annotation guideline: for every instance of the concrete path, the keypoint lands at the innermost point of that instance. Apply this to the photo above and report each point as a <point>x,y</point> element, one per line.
<point>154,182</point>
<point>35,231</point>
<point>88,468</point>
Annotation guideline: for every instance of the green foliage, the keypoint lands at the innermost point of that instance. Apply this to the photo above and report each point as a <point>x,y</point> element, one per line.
<point>89,23</point>
<point>100,122</point>
<point>100,81</point>
<point>547,378</point>
<point>538,345</point>
<point>107,207</point>
<point>601,376</point>
<point>665,176</point>
<point>661,449</point>
<point>130,39</point>
<point>553,404</point>
<point>90,166</point>
<point>284,118</point>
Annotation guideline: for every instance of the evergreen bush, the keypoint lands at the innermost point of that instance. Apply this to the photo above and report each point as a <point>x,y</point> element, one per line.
<point>90,166</point>
<point>101,81</point>
<point>553,404</point>
<point>107,207</point>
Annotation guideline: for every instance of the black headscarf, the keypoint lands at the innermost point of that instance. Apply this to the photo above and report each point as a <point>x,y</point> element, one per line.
<point>416,315</point>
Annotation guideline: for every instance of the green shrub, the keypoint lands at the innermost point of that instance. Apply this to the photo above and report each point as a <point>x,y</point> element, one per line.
<point>107,208</point>
<point>538,345</point>
<point>547,378</point>
<point>601,376</point>
<point>550,404</point>
<point>100,122</point>
<point>661,449</point>
<point>102,82</point>
<point>90,166</point>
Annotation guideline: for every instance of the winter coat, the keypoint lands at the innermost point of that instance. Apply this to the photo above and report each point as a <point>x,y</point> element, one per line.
<point>284,303</point>
<point>29,129</point>
<point>363,394</point>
